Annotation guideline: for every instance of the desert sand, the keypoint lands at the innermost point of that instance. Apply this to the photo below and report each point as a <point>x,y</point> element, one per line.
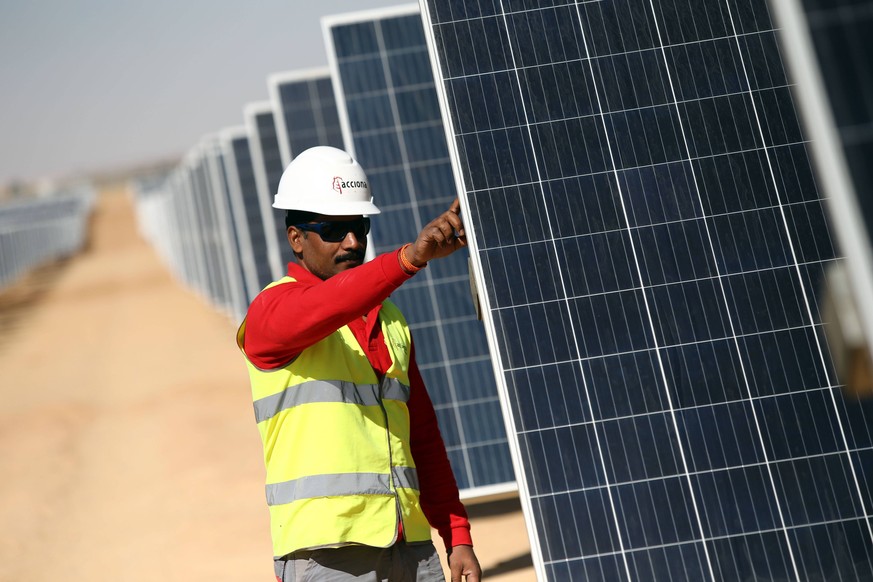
<point>128,449</point>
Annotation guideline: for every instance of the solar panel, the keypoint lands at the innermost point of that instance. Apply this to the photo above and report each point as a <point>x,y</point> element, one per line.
<point>215,282</point>
<point>193,237</point>
<point>181,224</point>
<point>649,241</point>
<point>36,230</point>
<point>246,208</point>
<point>267,164</point>
<point>187,226</point>
<point>184,214</point>
<point>235,300</point>
<point>391,122</point>
<point>305,111</point>
<point>829,50</point>
<point>158,217</point>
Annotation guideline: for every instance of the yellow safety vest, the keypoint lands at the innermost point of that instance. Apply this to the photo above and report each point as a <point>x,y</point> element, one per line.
<point>336,443</point>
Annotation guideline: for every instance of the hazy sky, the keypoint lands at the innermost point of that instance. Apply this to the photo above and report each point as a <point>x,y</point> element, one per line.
<point>89,84</point>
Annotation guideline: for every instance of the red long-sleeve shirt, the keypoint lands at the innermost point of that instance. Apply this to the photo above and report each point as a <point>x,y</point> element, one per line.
<point>284,320</point>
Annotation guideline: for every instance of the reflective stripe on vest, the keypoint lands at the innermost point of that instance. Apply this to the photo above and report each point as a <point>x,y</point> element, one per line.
<point>340,484</point>
<point>330,391</point>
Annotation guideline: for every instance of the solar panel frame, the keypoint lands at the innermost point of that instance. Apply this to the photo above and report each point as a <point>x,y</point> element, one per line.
<point>267,182</point>
<point>452,420</point>
<point>474,16</point>
<point>238,211</point>
<point>829,156</point>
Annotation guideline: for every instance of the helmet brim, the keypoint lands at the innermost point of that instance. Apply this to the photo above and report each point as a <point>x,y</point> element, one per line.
<point>331,208</point>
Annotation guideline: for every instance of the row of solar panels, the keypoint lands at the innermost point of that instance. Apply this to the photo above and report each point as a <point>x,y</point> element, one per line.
<point>649,242</point>
<point>38,230</point>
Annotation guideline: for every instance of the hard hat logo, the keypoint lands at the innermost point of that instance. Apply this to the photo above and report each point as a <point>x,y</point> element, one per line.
<point>339,184</point>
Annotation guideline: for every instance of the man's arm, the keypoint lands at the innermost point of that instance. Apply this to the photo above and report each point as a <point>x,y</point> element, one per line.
<point>285,319</point>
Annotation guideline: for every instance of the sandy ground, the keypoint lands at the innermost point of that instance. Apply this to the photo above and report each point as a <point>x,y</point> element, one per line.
<point>128,451</point>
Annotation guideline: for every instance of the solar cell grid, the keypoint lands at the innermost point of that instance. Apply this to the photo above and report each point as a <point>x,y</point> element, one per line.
<point>305,108</point>
<point>392,124</point>
<point>672,400</point>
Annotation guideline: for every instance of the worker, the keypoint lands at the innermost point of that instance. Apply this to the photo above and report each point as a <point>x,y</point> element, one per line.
<point>357,472</point>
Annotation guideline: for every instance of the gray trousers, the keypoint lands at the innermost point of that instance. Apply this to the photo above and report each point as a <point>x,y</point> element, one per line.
<point>401,562</point>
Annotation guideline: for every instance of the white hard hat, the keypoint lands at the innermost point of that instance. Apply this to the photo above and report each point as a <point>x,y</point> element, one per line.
<point>325,180</point>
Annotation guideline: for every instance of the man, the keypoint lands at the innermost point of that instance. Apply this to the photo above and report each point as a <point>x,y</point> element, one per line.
<point>357,471</point>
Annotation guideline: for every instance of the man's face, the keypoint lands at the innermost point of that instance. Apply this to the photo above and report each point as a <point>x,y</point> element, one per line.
<point>325,258</point>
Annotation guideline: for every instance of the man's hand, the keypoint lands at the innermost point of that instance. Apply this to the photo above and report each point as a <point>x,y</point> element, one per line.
<point>440,238</point>
<point>463,563</point>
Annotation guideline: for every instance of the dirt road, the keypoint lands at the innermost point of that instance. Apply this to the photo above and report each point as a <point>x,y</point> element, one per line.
<point>128,451</point>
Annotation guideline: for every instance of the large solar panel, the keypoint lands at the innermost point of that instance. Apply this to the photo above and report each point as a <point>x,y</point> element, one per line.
<point>829,49</point>
<point>650,242</point>
<point>391,122</point>
<point>267,164</point>
<point>246,210</point>
<point>305,111</point>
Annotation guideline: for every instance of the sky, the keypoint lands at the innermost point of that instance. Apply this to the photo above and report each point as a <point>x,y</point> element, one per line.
<point>93,85</point>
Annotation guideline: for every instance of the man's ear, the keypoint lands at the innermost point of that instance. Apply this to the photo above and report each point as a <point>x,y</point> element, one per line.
<point>295,236</point>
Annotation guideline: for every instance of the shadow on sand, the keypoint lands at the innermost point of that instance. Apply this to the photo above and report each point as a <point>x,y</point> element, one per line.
<point>494,508</point>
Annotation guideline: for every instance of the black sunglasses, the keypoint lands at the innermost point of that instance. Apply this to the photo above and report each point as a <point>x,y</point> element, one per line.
<point>337,230</point>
